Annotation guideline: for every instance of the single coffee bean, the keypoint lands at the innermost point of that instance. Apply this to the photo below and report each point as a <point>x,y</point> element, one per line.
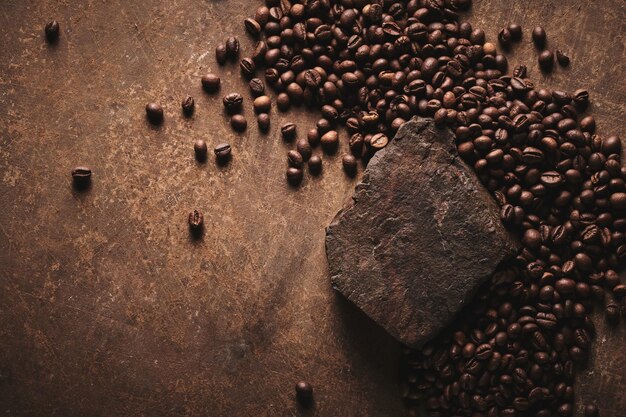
<point>591,410</point>
<point>52,31</point>
<point>379,141</point>
<point>263,120</point>
<point>222,151</point>
<point>581,98</point>
<point>294,159</point>
<point>210,83</point>
<point>154,111</point>
<point>546,60</point>
<point>200,149</point>
<point>283,102</point>
<point>188,105</point>
<point>304,147</point>
<point>330,141</point>
<point>262,104</point>
<point>315,165</point>
<point>247,67</point>
<point>253,27</point>
<point>611,145</point>
<point>562,59</point>
<point>349,164</point>
<point>313,137</point>
<point>232,48</point>
<point>504,38</point>
<point>196,221</point>
<point>232,102</point>
<point>238,123</point>
<point>221,54</point>
<point>516,32</point>
<point>257,88</point>
<point>618,201</point>
<point>294,176</point>
<point>539,37</point>
<point>488,48</point>
<point>81,176</point>
<point>288,132</point>
<point>304,393</point>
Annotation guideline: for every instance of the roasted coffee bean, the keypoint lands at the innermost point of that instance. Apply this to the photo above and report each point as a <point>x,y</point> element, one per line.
<point>195,219</point>
<point>304,147</point>
<point>581,98</point>
<point>379,141</point>
<point>154,112</point>
<point>222,151</point>
<point>211,83</point>
<point>539,37</point>
<point>546,60</point>
<point>294,159</point>
<point>313,137</point>
<point>283,102</point>
<point>257,88</point>
<point>247,67</point>
<point>288,132</point>
<point>263,120</point>
<point>81,177</point>
<point>221,54</point>
<point>232,102</point>
<point>253,27</point>
<point>591,410</point>
<point>294,176</point>
<point>315,165</point>
<point>232,48</point>
<point>562,58</point>
<point>349,164</point>
<point>52,31</point>
<point>200,149</point>
<point>304,393</point>
<point>516,32</point>
<point>238,123</point>
<point>188,105</point>
<point>262,104</point>
<point>504,38</point>
<point>330,141</point>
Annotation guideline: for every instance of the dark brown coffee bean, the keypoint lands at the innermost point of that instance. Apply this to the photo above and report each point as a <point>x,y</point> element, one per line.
<point>313,137</point>
<point>379,141</point>
<point>591,410</point>
<point>200,149</point>
<point>330,141</point>
<point>294,176</point>
<point>304,147</point>
<point>221,54</point>
<point>247,67</point>
<point>562,58</point>
<point>618,201</point>
<point>222,151</point>
<point>81,177</point>
<point>52,31</point>
<point>304,393</point>
<point>611,145</point>
<point>188,105</point>
<point>257,88</point>
<point>195,219</point>
<point>238,123</point>
<point>516,32</point>
<point>294,159</point>
<point>539,37</point>
<point>232,102</point>
<point>263,120</point>
<point>154,112</point>
<point>315,165</point>
<point>546,60</point>
<point>262,104</point>
<point>283,102</point>
<point>288,132</point>
<point>232,48</point>
<point>504,38</point>
<point>253,27</point>
<point>349,164</point>
<point>211,83</point>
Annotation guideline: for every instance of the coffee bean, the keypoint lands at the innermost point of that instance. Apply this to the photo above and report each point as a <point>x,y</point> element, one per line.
<point>294,159</point>
<point>304,148</point>
<point>315,165</point>
<point>546,60</point>
<point>504,38</point>
<point>562,59</point>
<point>52,31</point>
<point>253,27</point>
<point>304,393</point>
<point>288,132</point>
<point>379,141</point>
<point>488,48</point>
<point>196,221</point>
<point>262,104</point>
<point>313,137</point>
<point>188,105</point>
<point>210,83</point>
<point>294,176</point>
<point>611,145</point>
<point>154,112</point>
<point>238,123</point>
<point>349,164</point>
<point>330,141</point>
<point>232,48</point>
<point>539,37</point>
<point>283,102</point>
<point>222,151</point>
<point>221,54</point>
<point>81,176</point>
<point>247,67</point>
<point>263,120</point>
<point>257,88</point>
<point>232,102</point>
<point>200,149</point>
<point>618,201</point>
<point>591,410</point>
<point>581,98</point>
<point>516,32</point>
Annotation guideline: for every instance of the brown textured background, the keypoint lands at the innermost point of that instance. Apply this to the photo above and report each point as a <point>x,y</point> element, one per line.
<point>107,308</point>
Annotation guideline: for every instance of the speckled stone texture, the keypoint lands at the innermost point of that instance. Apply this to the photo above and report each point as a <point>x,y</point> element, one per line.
<point>419,237</point>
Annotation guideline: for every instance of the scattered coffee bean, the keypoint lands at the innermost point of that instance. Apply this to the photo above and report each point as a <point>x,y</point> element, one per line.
<point>288,132</point>
<point>315,165</point>
<point>81,176</point>
<point>330,141</point>
<point>294,176</point>
<point>200,149</point>
<point>232,102</point>
<point>504,38</point>
<point>349,164</point>
<point>247,67</point>
<point>304,148</point>
<point>591,410</point>
<point>211,83</point>
<point>539,37</point>
<point>188,105</point>
<point>196,221</point>
<point>294,159</point>
<point>562,59</point>
<point>379,141</point>
<point>516,32</point>
<point>283,102</point>
<point>222,151</point>
<point>546,60</point>
<point>304,393</point>
<point>253,27</point>
<point>257,88</point>
<point>313,137</point>
<point>52,31</point>
<point>263,120</point>
<point>221,54</point>
<point>489,49</point>
<point>238,123</point>
<point>262,104</point>
<point>154,111</point>
<point>232,48</point>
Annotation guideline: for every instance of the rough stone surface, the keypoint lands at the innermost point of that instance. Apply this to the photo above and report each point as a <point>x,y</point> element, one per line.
<point>419,237</point>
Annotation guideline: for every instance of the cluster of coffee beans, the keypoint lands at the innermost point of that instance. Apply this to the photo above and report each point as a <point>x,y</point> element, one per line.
<point>371,65</point>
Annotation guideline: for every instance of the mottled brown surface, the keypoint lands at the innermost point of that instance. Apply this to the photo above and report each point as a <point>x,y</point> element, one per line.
<point>107,308</point>
<point>419,237</point>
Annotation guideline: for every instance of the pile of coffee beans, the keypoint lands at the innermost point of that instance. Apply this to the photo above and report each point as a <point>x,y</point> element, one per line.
<point>370,66</point>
